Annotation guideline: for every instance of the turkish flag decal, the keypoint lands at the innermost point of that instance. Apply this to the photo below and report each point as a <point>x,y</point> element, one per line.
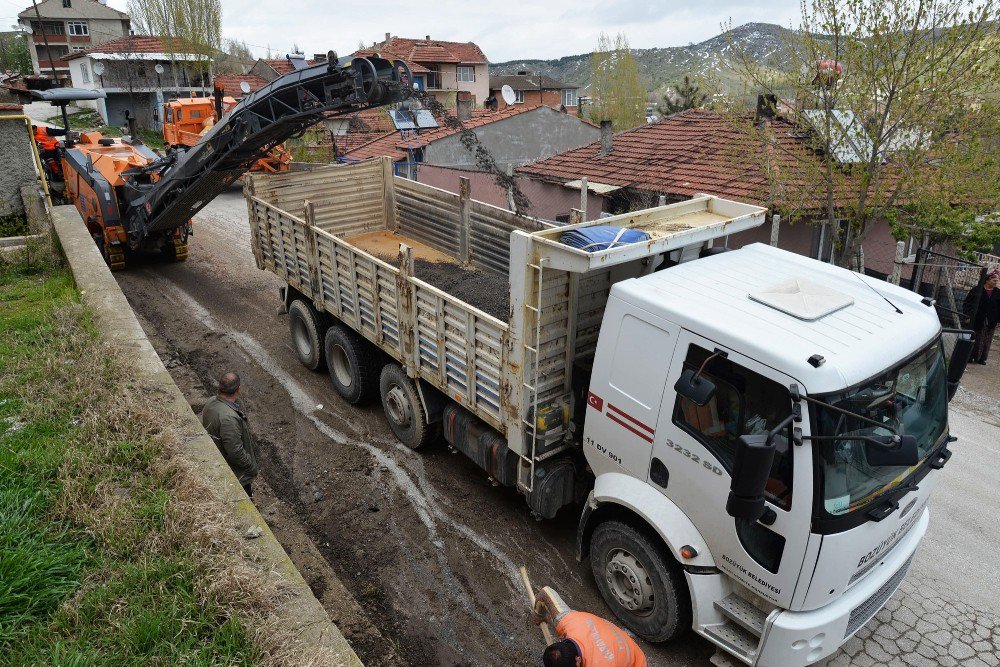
<point>595,401</point>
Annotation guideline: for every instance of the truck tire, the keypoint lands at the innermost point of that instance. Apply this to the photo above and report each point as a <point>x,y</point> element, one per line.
<point>402,407</point>
<point>304,327</point>
<point>353,365</point>
<point>645,590</point>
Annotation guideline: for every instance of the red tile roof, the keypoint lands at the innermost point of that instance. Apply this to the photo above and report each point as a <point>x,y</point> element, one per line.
<point>231,83</point>
<point>134,44</point>
<point>689,153</point>
<point>395,146</point>
<point>427,51</point>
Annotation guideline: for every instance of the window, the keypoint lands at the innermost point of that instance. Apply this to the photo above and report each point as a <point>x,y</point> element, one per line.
<point>434,77</point>
<point>77,49</point>
<point>51,28</point>
<point>745,403</point>
<point>569,97</point>
<point>78,28</point>
<point>85,72</point>
<point>67,3</point>
<point>195,113</point>
<point>466,74</point>
<point>168,114</point>
<point>518,97</point>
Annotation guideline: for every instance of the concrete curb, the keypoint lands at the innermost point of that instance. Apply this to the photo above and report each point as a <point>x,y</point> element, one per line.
<point>300,613</point>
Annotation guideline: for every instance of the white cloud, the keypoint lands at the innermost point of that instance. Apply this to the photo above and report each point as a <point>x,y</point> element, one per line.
<point>514,29</point>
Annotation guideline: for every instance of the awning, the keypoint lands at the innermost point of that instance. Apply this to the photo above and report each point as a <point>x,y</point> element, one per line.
<point>596,188</point>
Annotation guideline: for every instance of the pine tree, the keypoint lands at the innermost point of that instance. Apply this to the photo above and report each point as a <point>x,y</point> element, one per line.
<point>685,95</point>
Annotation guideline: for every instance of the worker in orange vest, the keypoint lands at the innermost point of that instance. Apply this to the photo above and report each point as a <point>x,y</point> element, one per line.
<point>585,640</point>
<point>48,145</point>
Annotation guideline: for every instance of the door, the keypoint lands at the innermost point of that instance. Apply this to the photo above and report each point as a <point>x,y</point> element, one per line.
<point>633,358</point>
<point>696,445</point>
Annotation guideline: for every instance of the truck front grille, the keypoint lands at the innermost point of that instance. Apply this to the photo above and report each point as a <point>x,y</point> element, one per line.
<point>864,611</point>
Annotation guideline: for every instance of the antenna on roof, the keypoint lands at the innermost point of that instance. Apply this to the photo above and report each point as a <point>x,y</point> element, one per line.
<point>896,308</point>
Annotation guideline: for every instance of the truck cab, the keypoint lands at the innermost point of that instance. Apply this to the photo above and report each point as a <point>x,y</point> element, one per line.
<point>816,356</point>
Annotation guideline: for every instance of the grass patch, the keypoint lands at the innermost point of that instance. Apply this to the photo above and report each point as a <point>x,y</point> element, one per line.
<point>82,120</point>
<point>151,138</point>
<point>13,224</point>
<point>110,552</point>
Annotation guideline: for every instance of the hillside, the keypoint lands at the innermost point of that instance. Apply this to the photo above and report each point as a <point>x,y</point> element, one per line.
<point>660,67</point>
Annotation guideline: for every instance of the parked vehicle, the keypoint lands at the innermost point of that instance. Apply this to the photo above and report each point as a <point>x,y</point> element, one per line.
<point>752,435</point>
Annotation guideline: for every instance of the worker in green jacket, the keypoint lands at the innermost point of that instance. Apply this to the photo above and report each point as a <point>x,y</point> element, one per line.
<point>225,421</point>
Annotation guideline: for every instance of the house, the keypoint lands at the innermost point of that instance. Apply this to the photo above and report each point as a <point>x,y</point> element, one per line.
<point>449,71</point>
<point>69,26</point>
<point>232,84</point>
<point>127,69</point>
<point>534,89</point>
<point>515,136</point>
<point>698,151</point>
<point>270,69</point>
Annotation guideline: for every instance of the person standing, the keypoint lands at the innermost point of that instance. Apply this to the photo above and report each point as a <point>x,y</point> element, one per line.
<point>984,315</point>
<point>225,421</point>
<point>585,640</point>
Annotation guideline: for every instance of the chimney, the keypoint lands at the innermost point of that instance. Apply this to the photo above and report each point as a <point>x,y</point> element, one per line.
<point>388,36</point>
<point>463,109</point>
<point>428,38</point>
<point>606,137</point>
<point>767,108</point>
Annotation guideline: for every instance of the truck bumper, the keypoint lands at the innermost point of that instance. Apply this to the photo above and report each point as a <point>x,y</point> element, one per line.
<point>794,638</point>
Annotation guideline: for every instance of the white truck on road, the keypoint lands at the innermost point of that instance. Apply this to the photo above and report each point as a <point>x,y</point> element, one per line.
<point>752,435</point>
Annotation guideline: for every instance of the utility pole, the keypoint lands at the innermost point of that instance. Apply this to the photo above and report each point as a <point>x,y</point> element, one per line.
<point>45,38</point>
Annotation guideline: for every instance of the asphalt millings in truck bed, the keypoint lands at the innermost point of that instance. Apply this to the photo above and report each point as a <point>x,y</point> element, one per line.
<point>487,291</point>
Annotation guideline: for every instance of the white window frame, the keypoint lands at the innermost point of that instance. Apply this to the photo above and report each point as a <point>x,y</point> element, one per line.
<point>85,72</point>
<point>470,70</point>
<point>569,97</point>
<point>78,28</point>
<point>518,96</point>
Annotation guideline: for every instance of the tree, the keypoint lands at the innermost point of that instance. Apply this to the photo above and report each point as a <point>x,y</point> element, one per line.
<point>192,25</point>
<point>235,57</point>
<point>684,95</point>
<point>877,85</point>
<point>14,56</point>
<point>616,90</point>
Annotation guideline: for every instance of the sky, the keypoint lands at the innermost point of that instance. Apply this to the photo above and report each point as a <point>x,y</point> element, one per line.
<point>505,30</point>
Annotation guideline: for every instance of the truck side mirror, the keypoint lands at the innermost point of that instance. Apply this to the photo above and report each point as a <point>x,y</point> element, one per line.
<point>959,360</point>
<point>886,451</point>
<point>751,469</point>
<point>694,387</point>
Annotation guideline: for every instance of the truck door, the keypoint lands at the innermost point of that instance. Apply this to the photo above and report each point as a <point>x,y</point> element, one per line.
<point>633,358</point>
<point>695,447</point>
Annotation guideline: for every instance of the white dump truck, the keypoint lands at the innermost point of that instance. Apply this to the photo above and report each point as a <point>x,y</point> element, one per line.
<point>752,435</point>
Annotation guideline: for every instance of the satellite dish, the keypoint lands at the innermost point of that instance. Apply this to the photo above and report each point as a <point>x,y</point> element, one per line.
<point>158,68</point>
<point>507,93</point>
<point>98,68</point>
<point>245,87</point>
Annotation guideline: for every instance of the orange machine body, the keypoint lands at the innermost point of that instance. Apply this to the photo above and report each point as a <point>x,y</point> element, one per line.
<point>92,170</point>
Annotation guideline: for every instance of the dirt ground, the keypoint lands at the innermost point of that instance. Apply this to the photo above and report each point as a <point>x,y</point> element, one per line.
<point>425,547</point>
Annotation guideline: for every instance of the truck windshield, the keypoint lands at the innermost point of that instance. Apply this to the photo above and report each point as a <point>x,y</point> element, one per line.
<point>910,399</point>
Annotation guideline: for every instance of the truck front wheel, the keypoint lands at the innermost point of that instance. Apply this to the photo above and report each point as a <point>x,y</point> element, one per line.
<point>304,326</point>
<point>353,364</point>
<point>645,591</point>
<point>403,409</point>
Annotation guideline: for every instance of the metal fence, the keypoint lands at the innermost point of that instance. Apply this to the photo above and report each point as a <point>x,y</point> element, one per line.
<point>950,281</point>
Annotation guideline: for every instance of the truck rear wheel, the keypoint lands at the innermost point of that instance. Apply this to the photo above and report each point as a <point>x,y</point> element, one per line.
<point>353,365</point>
<point>304,326</point>
<point>402,407</point>
<point>645,591</point>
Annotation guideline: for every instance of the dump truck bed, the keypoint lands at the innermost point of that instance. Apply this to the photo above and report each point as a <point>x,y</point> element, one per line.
<point>485,305</point>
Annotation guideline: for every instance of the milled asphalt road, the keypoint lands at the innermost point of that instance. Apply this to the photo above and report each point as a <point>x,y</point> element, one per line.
<point>947,612</point>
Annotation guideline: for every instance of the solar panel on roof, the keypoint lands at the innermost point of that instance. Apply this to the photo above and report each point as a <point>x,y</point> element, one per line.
<point>425,118</point>
<point>402,119</point>
<point>849,141</point>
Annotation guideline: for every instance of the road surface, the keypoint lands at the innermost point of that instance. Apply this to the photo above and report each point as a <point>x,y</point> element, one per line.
<point>427,548</point>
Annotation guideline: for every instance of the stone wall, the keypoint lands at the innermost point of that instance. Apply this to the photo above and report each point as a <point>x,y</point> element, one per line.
<point>18,160</point>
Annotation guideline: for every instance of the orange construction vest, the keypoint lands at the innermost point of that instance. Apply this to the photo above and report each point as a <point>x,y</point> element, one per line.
<point>44,141</point>
<point>602,644</point>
